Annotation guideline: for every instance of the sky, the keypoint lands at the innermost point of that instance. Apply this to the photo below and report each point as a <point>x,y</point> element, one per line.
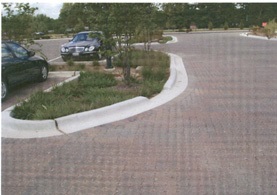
<point>51,10</point>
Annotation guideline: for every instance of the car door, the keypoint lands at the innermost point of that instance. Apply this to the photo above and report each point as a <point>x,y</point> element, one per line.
<point>23,68</point>
<point>11,66</point>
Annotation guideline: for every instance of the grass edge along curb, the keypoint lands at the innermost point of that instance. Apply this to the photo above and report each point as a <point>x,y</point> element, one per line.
<point>34,129</point>
<point>48,108</point>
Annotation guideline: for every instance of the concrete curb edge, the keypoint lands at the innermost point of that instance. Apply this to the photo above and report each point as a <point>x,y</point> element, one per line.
<point>176,84</point>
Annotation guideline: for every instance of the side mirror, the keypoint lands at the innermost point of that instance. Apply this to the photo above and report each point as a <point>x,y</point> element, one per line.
<point>31,53</point>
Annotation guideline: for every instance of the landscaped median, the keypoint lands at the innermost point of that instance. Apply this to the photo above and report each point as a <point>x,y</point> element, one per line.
<point>16,128</point>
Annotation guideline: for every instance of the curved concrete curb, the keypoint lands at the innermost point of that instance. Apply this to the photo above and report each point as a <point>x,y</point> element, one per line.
<point>257,37</point>
<point>174,39</point>
<point>84,120</point>
<point>176,84</point>
<point>15,128</point>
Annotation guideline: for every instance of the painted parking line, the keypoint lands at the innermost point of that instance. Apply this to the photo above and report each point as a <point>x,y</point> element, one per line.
<point>54,59</point>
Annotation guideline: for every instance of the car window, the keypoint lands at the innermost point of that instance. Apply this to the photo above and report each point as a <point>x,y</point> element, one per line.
<point>90,38</point>
<point>80,37</point>
<point>5,52</point>
<point>19,51</point>
<point>93,36</point>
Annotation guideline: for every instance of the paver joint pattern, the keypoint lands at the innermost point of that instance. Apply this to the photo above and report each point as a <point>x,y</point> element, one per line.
<point>218,137</point>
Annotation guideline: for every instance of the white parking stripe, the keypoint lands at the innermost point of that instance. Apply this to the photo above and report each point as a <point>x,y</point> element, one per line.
<point>54,59</point>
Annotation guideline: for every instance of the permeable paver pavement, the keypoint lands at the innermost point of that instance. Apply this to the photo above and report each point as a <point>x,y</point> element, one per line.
<point>217,137</point>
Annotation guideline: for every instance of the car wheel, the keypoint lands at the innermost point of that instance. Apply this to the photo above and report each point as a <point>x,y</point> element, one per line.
<point>4,92</point>
<point>43,73</point>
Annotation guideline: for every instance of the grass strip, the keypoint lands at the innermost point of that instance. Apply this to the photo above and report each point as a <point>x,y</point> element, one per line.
<point>96,89</point>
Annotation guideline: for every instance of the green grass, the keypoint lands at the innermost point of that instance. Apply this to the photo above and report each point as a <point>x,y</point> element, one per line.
<point>165,39</point>
<point>90,91</point>
<point>96,89</point>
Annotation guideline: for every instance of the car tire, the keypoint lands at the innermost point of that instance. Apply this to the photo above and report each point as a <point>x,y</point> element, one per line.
<point>4,90</point>
<point>43,73</point>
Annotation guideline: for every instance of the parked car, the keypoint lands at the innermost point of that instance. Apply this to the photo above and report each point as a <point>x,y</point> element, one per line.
<point>84,46</point>
<point>20,65</point>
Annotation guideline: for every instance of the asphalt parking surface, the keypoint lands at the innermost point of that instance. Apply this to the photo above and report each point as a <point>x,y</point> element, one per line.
<point>218,137</point>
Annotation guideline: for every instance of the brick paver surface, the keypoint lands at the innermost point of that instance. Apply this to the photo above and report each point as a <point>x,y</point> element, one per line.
<point>217,137</point>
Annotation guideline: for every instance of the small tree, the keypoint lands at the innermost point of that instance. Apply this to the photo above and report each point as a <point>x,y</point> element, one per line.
<point>17,23</point>
<point>226,26</point>
<point>210,25</point>
<point>127,17</point>
<point>99,15</point>
<point>241,25</point>
<point>147,28</point>
<point>122,20</point>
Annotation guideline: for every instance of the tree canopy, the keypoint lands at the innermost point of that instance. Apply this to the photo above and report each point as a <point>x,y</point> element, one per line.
<point>20,19</point>
<point>132,20</point>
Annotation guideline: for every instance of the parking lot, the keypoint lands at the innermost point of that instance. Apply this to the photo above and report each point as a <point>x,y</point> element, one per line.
<point>217,137</point>
<point>22,92</point>
<point>51,49</point>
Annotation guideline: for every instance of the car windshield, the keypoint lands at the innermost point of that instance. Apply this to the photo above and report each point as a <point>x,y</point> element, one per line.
<point>82,37</point>
<point>5,52</point>
<point>19,51</point>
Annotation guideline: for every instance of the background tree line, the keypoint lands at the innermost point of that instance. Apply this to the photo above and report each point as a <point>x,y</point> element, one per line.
<point>219,14</point>
<point>140,20</point>
<point>74,17</point>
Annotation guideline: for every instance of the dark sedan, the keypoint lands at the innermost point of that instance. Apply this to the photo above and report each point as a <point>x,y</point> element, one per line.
<point>20,65</point>
<point>84,46</point>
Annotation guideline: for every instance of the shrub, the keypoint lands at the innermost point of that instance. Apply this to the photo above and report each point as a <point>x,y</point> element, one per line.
<point>97,79</point>
<point>95,63</point>
<point>45,37</point>
<point>226,26</point>
<point>94,90</point>
<point>241,25</point>
<point>255,29</point>
<point>81,66</point>
<point>210,26</point>
<point>150,88</point>
<point>70,62</point>
<point>165,39</point>
<point>141,36</point>
<point>270,29</point>
<point>89,92</point>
